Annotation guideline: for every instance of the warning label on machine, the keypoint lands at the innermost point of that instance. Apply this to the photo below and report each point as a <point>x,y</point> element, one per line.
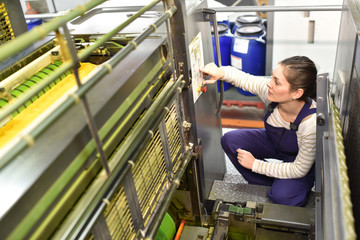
<point>197,62</point>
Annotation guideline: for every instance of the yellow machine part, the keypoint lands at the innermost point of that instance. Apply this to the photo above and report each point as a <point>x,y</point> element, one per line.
<point>6,31</point>
<point>29,114</point>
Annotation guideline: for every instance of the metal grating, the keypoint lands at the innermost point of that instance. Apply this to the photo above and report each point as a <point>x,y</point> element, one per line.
<point>150,172</point>
<point>6,31</point>
<point>172,129</point>
<point>118,217</point>
<point>352,150</point>
<point>149,175</point>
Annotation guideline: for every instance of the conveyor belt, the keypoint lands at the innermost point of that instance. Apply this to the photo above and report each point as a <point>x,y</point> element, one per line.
<point>40,105</point>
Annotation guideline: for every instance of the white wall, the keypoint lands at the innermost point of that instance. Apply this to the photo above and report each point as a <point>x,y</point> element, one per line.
<point>290,34</point>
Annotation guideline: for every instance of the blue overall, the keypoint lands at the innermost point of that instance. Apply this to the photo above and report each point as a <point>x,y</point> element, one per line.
<point>272,142</point>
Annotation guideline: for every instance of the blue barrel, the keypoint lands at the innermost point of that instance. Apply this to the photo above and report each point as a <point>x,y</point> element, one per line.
<point>32,23</point>
<point>225,41</point>
<point>225,22</point>
<point>248,51</point>
<point>244,20</point>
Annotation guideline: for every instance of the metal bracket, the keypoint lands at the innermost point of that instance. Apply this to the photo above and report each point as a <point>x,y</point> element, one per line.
<point>101,230</point>
<point>222,226</point>
<point>320,119</point>
<point>165,145</point>
<point>186,125</point>
<point>133,201</point>
<point>207,14</point>
<point>181,68</point>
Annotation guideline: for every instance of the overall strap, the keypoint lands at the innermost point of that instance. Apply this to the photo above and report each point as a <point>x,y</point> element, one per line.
<point>270,109</point>
<point>304,112</point>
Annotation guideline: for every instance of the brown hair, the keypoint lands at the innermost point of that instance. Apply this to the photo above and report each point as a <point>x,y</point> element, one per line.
<point>301,72</point>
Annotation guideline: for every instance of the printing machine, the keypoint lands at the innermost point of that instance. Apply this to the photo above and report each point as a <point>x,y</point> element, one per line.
<point>135,136</point>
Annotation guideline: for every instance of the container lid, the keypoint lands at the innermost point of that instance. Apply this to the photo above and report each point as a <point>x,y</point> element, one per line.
<point>248,19</point>
<point>34,21</point>
<point>249,30</point>
<point>222,28</point>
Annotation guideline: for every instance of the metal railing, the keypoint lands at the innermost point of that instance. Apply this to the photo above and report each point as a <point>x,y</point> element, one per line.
<point>278,8</point>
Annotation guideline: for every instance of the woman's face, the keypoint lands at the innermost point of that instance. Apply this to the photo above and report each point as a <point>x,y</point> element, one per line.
<point>279,87</point>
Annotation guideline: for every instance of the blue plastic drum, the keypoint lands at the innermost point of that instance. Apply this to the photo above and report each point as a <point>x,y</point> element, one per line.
<point>225,41</point>
<point>33,23</point>
<point>244,20</point>
<point>248,51</point>
<point>225,22</point>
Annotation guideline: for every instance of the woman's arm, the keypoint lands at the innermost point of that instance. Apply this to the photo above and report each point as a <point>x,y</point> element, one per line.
<point>303,161</point>
<point>248,82</point>
<point>254,84</point>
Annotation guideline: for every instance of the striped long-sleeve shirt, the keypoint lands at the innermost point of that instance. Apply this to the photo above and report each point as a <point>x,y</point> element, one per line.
<point>306,134</point>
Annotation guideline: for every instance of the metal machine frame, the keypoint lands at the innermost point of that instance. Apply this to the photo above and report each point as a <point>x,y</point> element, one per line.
<point>96,178</point>
<point>89,159</point>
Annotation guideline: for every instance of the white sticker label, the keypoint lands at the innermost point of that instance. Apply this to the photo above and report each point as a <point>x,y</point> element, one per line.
<point>236,62</point>
<point>197,62</point>
<point>241,45</point>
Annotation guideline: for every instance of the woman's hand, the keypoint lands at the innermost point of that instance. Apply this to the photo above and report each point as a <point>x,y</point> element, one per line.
<point>213,71</point>
<point>245,158</point>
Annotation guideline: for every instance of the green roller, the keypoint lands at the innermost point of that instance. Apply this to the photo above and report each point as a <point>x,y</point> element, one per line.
<point>41,75</point>
<point>3,102</point>
<point>35,79</point>
<point>31,82</point>
<point>51,67</point>
<point>27,103</point>
<point>34,98</point>
<point>39,94</point>
<point>22,88</point>
<point>15,93</point>
<point>55,65</point>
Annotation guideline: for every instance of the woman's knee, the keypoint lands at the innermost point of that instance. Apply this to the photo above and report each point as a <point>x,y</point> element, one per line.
<point>232,140</point>
<point>288,197</point>
<point>224,141</point>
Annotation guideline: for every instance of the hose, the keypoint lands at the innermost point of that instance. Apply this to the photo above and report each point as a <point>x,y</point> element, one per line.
<point>178,233</point>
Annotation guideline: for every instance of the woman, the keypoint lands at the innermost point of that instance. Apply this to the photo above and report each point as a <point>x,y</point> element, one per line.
<point>289,134</point>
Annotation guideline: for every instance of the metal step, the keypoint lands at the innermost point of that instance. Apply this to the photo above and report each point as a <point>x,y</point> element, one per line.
<point>241,191</point>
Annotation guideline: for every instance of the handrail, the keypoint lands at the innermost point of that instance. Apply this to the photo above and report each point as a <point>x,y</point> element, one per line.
<point>279,8</point>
